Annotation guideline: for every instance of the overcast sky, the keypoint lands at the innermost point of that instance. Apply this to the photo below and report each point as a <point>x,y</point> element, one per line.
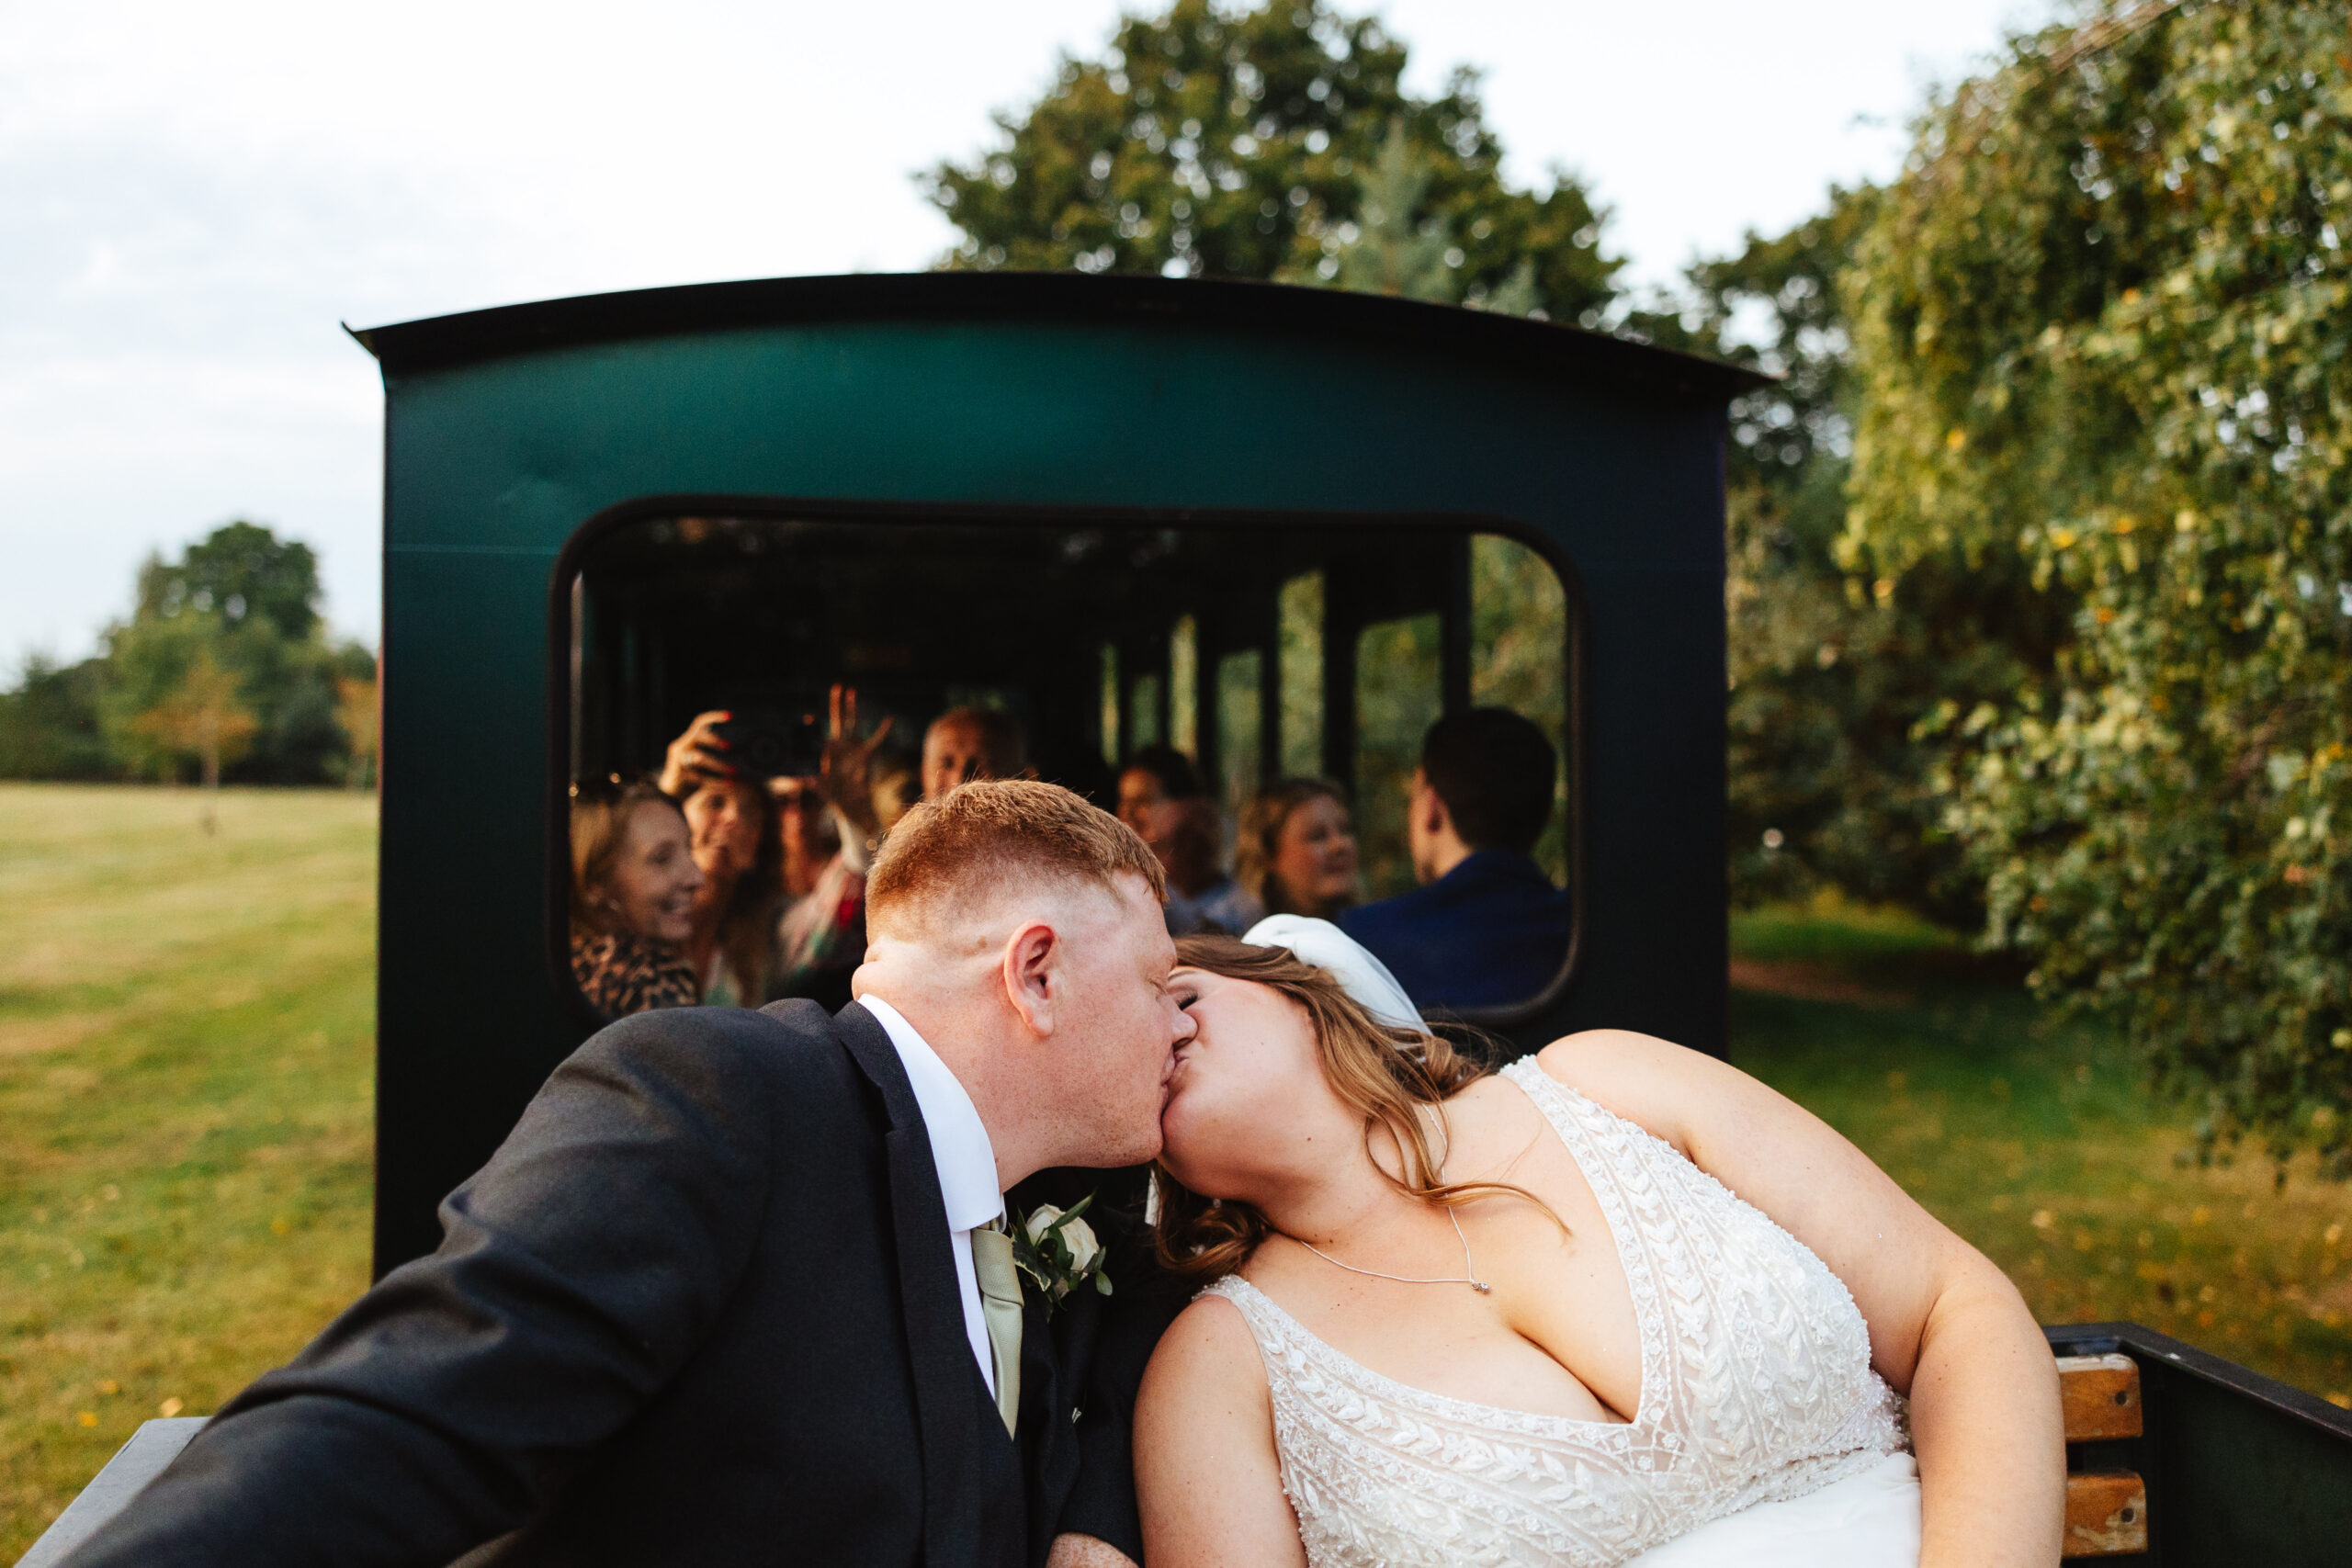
<point>192,196</point>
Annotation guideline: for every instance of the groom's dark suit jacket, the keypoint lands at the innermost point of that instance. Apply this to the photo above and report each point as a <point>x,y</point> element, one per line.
<point>700,1307</point>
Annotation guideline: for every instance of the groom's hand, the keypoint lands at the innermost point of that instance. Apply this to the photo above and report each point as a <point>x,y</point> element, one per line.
<point>1086,1551</point>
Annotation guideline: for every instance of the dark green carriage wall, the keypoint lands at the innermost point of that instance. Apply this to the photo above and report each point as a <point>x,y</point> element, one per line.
<point>504,436</point>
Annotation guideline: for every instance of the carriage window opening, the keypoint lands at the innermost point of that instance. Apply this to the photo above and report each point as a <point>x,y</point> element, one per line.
<point>1143,712</point>
<point>1106,707</point>
<point>1397,698</point>
<point>1518,623</point>
<point>1241,732</point>
<point>1301,661</point>
<point>1277,682</point>
<point>1184,686</point>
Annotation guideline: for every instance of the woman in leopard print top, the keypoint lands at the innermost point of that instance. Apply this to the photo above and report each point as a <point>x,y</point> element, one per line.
<point>623,974</point>
<point>633,886</point>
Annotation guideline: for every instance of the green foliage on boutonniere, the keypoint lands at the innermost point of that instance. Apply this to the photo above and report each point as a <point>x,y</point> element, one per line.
<point>1059,1251</point>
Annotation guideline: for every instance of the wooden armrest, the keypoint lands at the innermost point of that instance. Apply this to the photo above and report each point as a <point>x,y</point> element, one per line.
<point>2107,1515</point>
<point>2100,1397</point>
<point>2107,1511</point>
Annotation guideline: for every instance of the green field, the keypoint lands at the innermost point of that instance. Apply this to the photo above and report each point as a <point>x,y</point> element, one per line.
<point>186,1025</point>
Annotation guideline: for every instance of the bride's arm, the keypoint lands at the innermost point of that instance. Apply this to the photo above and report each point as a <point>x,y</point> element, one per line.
<point>1206,1478</point>
<point>1947,1327</point>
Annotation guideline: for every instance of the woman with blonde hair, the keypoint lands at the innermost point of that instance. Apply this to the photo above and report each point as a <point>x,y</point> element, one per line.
<point>634,884</point>
<point>1296,850</point>
<point>1455,1318</point>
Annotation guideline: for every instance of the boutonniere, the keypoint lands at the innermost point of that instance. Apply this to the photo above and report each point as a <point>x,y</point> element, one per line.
<point>1059,1251</point>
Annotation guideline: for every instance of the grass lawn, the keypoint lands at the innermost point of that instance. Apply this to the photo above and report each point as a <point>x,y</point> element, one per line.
<point>186,1034</point>
<point>186,1083</point>
<point>2036,1141</point>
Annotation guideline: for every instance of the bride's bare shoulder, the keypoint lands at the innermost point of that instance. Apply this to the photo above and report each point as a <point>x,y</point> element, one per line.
<point>1620,1053</point>
<point>1205,1366</point>
<point>1208,1480</point>
<point>1647,1080</point>
<point>1209,1342</point>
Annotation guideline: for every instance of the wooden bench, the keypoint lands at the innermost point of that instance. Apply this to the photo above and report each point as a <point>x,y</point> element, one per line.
<point>2106,1510</point>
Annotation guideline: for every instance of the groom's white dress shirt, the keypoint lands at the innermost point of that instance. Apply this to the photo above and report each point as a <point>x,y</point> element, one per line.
<point>964,1157</point>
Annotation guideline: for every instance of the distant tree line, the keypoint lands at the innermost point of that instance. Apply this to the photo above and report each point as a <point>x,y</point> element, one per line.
<point>2039,589</point>
<point>223,671</point>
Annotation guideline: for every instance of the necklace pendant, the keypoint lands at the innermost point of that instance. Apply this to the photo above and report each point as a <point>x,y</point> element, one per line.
<point>1481,1287</point>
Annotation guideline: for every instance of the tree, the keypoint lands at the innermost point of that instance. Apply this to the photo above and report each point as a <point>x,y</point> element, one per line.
<point>241,570</point>
<point>203,718</point>
<point>48,724</point>
<point>1400,247</point>
<point>257,596</point>
<point>1214,144</point>
<point>241,598</point>
<point>2102,326</point>
<point>148,668</point>
<point>356,710</point>
<point>1831,668</point>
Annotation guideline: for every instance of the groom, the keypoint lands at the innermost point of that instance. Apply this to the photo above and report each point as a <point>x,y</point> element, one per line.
<point>733,1291</point>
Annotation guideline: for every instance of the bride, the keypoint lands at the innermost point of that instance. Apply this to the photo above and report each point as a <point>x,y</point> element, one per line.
<point>1618,1303</point>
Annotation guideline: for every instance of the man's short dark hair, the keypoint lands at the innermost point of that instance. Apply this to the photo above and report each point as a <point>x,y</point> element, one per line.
<point>1494,771</point>
<point>1178,778</point>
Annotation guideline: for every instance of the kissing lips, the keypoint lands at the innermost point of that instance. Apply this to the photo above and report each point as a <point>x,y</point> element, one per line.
<point>1168,1085</point>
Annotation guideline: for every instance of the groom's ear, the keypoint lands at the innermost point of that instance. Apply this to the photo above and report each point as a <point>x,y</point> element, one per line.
<point>1031,975</point>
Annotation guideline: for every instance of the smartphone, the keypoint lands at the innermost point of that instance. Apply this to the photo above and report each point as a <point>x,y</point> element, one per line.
<point>767,743</point>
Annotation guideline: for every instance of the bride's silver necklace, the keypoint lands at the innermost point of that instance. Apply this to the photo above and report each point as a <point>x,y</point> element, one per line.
<point>1469,1270</point>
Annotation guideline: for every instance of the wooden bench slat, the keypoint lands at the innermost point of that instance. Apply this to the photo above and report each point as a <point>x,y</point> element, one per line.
<point>2101,1395</point>
<point>2107,1515</point>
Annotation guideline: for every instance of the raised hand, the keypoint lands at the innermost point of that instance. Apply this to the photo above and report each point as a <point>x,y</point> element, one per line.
<point>697,755</point>
<point>845,773</point>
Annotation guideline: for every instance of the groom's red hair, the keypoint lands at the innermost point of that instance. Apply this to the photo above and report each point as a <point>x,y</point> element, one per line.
<point>993,833</point>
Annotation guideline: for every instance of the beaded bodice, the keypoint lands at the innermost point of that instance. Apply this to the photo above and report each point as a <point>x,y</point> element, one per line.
<point>1756,1384</point>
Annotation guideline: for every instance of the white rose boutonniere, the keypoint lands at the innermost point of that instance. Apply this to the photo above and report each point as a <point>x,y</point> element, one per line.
<point>1059,1251</point>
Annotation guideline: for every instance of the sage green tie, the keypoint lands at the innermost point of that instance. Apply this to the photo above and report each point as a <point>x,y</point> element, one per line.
<point>1001,1310</point>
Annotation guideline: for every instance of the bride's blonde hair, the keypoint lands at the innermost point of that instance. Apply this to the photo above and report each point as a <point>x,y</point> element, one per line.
<point>1387,1074</point>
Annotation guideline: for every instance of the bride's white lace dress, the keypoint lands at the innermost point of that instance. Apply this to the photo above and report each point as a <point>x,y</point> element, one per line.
<point>1761,1434</point>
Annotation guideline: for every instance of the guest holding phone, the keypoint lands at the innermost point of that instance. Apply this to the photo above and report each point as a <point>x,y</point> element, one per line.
<point>730,817</point>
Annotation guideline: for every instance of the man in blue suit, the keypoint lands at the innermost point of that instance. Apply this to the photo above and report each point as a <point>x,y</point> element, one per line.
<point>1486,928</point>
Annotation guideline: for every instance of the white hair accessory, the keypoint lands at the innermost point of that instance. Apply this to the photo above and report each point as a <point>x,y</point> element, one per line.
<point>1346,960</point>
